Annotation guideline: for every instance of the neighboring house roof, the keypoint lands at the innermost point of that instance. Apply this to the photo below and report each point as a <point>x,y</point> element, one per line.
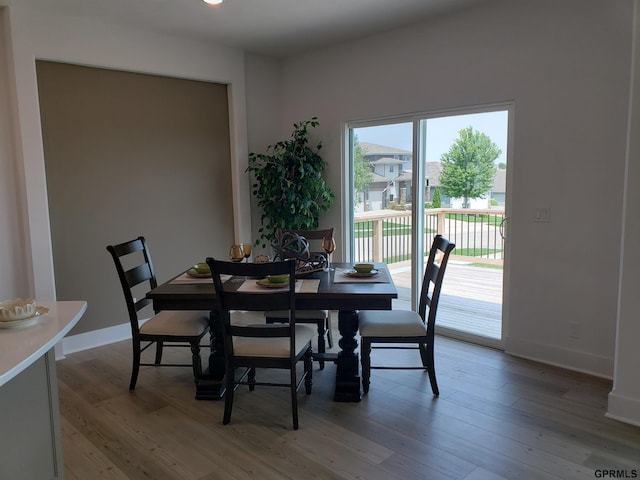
<point>433,173</point>
<point>375,149</point>
<point>500,181</point>
<point>435,168</point>
<point>403,177</point>
<point>377,178</point>
<point>387,161</point>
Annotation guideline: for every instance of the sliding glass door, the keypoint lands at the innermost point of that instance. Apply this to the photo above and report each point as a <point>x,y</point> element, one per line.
<point>382,224</point>
<point>414,177</point>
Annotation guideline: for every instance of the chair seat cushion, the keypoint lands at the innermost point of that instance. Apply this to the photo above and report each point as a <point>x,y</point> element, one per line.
<point>178,323</point>
<point>271,347</point>
<point>300,314</point>
<point>391,323</point>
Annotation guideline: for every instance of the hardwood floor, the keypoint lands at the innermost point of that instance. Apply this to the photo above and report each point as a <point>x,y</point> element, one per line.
<point>497,417</point>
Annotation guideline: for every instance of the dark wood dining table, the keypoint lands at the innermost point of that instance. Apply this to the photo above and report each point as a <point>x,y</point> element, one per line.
<point>345,297</point>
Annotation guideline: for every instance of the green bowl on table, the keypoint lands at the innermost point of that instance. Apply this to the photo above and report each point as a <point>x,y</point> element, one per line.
<point>363,267</point>
<point>278,279</point>
<point>202,268</point>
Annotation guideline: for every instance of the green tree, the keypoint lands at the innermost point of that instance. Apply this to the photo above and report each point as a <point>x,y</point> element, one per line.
<point>436,201</point>
<point>468,167</point>
<point>362,174</point>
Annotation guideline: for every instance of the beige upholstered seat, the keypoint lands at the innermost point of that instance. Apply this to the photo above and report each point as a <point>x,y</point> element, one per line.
<point>169,322</point>
<point>402,326</point>
<point>165,328</point>
<point>405,324</point>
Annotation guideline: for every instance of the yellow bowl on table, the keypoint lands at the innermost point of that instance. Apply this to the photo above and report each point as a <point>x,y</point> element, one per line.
<point>363,267</point>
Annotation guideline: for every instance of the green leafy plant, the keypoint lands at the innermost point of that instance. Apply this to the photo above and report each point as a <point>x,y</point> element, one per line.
<point>289,185</point>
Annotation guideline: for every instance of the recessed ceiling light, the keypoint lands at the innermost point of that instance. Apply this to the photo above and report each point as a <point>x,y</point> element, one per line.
<point>213,2</point>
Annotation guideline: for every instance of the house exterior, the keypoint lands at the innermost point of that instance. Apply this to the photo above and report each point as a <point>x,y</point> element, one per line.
<point>392,181</point>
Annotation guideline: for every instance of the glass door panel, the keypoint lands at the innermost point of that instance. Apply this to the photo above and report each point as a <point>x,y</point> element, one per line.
<point>382,162</point>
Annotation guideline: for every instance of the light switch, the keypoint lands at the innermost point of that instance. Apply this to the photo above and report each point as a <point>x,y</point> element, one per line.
<point>542,215</point>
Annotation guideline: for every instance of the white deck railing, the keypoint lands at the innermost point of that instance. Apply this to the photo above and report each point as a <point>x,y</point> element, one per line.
<point>385,235</point>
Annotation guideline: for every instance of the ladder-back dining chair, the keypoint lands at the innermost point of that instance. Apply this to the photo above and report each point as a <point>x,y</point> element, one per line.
<point>249,347</point>
<point>405,326</point>
<point>165,328</point>
<point>321,318</point>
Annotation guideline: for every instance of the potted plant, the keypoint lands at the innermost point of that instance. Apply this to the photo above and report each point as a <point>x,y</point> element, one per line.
<point>289,185</point>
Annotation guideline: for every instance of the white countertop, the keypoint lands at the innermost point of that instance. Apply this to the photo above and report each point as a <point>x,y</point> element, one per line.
<point>21,346</point>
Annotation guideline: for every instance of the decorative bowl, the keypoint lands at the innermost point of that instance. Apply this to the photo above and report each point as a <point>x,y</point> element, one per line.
<point>17,309</point>
<point>284,278</point>
<point>201,268</point>
<point>363,267</point>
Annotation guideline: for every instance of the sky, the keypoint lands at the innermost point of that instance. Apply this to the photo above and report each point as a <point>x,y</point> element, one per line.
<point>441,133</point>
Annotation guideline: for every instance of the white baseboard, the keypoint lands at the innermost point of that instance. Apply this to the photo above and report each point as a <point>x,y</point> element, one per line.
<point>95,338</point>
<point>575,360</point>
<point>624,409</point>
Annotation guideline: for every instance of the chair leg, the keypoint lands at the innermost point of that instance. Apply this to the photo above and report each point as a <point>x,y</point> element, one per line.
<point>426,354</point>
<point>328,329</point>
<point>196,361</point>
<point>365,360</point>
<point>252,379</point>
<point>135,367</point>
<point>308,370</point>
<point>321,345</point>
<point>159,347</point>
<point>294,397</point>
<point>228,395</point>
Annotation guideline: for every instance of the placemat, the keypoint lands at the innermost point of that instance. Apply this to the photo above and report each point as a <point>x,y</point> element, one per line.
<point>341,277</point>
<point>186,278</point>
<point>302,286</point>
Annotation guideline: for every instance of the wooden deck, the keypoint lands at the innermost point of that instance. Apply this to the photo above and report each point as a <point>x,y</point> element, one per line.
<point>471,298</point>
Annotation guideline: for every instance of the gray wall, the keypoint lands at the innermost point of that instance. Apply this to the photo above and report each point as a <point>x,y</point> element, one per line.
<point>129,154</point>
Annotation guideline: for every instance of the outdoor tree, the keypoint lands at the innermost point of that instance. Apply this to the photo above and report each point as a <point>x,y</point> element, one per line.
<point>469,166</point>
<point>436,202</point>
<point>362,174</point>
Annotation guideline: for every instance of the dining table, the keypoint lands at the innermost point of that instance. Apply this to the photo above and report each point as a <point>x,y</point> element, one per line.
<point>340,288</point>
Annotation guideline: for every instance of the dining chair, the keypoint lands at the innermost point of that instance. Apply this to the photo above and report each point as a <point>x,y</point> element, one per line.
<point>321,318</point>
<point>248,347</point>
<point>406,326</point>
<point>165,328</point>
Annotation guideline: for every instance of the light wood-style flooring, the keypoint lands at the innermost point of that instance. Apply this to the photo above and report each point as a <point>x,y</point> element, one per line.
<point>497,417</point>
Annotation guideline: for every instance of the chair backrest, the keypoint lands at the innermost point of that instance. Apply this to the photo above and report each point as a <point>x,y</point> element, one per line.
<point>432,281</point>
<point>136,273</point>
<point>314,238</point>
<point>229,298</point>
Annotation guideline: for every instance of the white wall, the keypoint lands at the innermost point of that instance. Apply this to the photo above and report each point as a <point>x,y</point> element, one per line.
<point>565,65</point>
<point>624,399</point>
<point>13,281</point>
<point>264,118</point>
<point>30,35</point>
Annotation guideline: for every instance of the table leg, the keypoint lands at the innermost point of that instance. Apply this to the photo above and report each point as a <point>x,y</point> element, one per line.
<point>210,385</point>
<point>348,367</point>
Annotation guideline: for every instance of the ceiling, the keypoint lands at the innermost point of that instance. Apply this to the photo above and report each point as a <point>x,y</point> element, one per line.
<point>277,28</point>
